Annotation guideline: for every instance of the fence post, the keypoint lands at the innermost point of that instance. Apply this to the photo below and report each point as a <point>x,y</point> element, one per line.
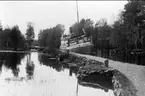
<point>68,42</point>
<point>106,62</point>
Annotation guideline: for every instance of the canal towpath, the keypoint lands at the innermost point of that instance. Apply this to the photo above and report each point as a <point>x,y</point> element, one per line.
<point>135,73</point>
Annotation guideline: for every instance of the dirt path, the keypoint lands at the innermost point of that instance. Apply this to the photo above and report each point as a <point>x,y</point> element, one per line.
<point>135,73</point>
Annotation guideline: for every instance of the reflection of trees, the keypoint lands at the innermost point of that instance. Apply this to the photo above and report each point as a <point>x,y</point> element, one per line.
<point>29,67</point>
<point>1,63</point>
<point>11,61</point>
<point>54,64</point>
<point>14,64</point>
<point>50,62</point>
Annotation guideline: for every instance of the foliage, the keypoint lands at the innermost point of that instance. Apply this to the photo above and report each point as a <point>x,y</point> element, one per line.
<point>11,38</point>
<point>104,30</point>
<point>1,27</point>
<point>35,43</point>
<point>82,28</point>
<point>126,30</point>
<point>30,33</point>
<point>51,37</point>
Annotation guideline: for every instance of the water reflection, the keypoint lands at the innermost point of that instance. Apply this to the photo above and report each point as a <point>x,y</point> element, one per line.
<point>36,75</point>
<point>50,62</point>
<point>55,65</point>
<point>72,70</point>
<point>1,64</point>
<point>97,80</point>
<point>11,61</point>
<point>30,67</point>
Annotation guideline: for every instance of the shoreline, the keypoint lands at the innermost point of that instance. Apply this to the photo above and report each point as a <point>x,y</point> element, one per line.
<point>125,85</point>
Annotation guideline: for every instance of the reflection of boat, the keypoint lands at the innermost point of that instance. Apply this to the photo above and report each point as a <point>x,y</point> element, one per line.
<point>59,55</point>
<point>50,62</point>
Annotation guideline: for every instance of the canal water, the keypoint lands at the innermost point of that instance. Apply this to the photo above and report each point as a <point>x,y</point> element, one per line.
<point>35,75</point>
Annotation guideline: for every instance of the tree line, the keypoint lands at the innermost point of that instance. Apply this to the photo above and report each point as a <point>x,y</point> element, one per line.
<point>50,38</point>
<point>13,39</point>
<point>127,32</point>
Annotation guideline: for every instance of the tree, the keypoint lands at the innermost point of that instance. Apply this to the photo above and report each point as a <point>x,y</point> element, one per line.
<point>12,38</point>
<point>74,30</point>
<point>15,37</point>
<point>132,18</point>
<point>83,28</point>
<point>126,32</point>
<point>94,35</point>
<point>5,39</point>
<point>118,37</point>
<point>104,30</point>
<point>1,27</point>
<point>100,34</point>
<point>51,38</point>
<point>60,28</point>
<point>30,33</point>
<point>88,27</point>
